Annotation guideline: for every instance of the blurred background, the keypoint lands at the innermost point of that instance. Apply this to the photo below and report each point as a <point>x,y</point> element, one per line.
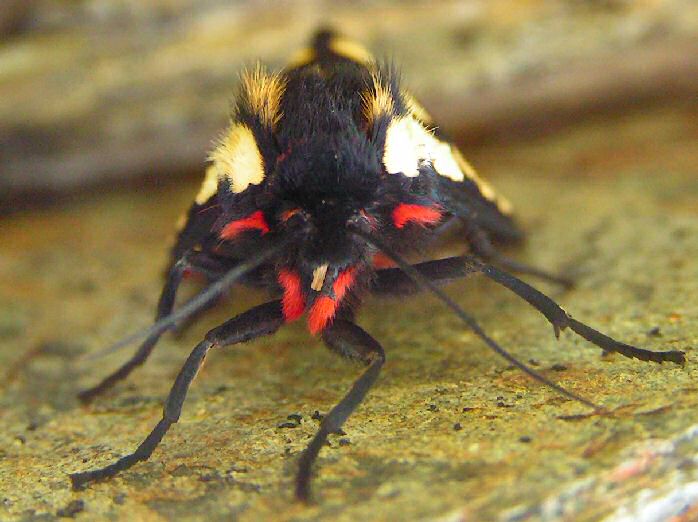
<point>584,113</point>
<point>102,93</point>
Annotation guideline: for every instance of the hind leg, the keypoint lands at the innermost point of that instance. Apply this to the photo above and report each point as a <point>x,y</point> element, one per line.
<point>482,247</point>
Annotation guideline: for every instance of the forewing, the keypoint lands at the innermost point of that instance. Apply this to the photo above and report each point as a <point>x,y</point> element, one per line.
<point>412,146</point>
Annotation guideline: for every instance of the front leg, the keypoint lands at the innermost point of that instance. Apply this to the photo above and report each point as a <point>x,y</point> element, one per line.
<point>352,342</point>
<point>394,281</point>
<point>261,320</point>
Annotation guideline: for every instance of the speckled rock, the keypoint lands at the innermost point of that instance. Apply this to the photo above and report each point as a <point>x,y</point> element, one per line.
<point>449,433</point>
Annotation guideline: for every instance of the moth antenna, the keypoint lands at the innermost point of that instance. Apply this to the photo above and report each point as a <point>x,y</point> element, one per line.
<point>425,283</point>
<point>194,304</point>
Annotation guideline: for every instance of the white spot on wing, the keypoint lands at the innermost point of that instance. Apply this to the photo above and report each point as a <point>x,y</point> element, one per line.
<point>443,161</point>
<point>405,147</point>
<point>237,158</point>
<point>409,145</point>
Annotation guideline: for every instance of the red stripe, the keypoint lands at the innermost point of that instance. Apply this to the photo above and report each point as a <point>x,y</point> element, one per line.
<point>321,314</point>
<point>288,214</point>
<point>324,307</point>
<point>254,221</point>
<point>343,282</point>
<point>408,213</point>
<point>293,302</point>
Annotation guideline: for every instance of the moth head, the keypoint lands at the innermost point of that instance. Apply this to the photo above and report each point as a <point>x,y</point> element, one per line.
<point>328,185</point>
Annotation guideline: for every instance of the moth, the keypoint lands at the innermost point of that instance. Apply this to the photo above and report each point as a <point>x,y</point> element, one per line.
<point>328,177</point>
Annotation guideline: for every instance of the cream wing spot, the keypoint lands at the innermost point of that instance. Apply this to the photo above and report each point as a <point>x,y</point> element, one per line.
<point>208,188</point>
<point>237,159</point>
<point>443,161</point>
<point>409,145</point>
<point>404,147</point>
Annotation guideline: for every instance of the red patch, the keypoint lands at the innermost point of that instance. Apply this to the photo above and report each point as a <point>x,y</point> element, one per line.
<point>407,213</point>
<point>254,221</point>
<point>282,157</point>
<point>343,283</point>
<point>288,214</point>
<point>324,307</point>
<point>191,273</point>
<point>380,260</point>
<point>293,302</point>
<point>321,314</point>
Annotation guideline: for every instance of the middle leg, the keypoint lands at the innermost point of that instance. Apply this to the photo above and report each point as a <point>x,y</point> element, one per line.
<point>392,281</point>
<point>351,341</point>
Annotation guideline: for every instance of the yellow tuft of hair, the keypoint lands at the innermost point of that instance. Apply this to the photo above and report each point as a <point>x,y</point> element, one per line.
<point>263,92</point>
<point>378,101</point>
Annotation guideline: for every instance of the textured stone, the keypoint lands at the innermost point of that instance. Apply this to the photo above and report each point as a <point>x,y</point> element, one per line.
<point>613,202</point>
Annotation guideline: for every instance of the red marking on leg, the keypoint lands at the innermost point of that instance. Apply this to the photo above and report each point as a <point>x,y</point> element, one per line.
<point>343,282</point>
<point>407,213</point>
<point>321,314</point>
<point>324,307</point>
<point>380,260</point>
<point>293,302</point>
<point>254,221</point>
<point>191,273</point>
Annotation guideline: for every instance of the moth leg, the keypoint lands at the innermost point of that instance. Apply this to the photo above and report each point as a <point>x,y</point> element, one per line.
<point>261,320</point>
<point>189,261</point>
<point>353,342</point>
<point>482,246</point>
<point>393,281</point>
<point>561,319</point>
<point>466,202</point>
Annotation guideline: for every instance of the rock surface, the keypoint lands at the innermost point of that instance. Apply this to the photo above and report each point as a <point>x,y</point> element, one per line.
<point>449,433</point>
